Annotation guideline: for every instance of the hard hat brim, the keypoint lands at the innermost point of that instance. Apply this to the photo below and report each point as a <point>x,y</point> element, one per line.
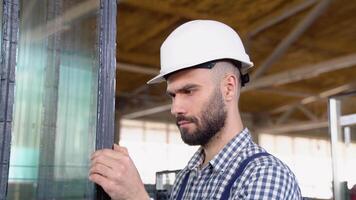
<point>160,77</point>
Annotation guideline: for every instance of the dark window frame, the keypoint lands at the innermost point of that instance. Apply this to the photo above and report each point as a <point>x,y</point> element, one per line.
<point>7,85</point>
<point>106,82</point>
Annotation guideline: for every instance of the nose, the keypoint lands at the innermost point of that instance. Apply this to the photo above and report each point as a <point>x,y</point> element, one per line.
<point>177,107</point>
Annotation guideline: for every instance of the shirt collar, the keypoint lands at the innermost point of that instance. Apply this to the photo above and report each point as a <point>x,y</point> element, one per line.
<point>223,158</point>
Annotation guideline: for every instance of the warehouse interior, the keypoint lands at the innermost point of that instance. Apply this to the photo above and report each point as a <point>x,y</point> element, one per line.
<point>303,52</point>
<point>299,104</point>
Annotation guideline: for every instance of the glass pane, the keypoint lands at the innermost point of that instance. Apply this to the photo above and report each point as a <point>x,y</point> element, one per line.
<point>54,125</point>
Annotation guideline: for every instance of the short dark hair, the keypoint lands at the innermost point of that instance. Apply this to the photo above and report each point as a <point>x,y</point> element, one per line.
<point>243,78</point>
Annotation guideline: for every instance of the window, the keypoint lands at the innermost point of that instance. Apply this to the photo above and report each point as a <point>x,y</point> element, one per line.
<point>57,111</point>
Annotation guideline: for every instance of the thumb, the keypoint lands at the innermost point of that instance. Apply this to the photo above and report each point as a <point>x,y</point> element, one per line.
<point>120,149</point>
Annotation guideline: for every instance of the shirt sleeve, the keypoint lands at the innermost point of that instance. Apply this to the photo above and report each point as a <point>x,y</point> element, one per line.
<point>270,182</point>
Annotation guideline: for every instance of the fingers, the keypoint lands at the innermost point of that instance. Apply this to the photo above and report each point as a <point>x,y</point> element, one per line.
<point>104,182</point>
<point>105,160</point>
<point>120,149</point>
<point>101,169</point>
<point>109,153</point>
<point>109,163</point>
<point>98,179</point>
<point>116,173</point>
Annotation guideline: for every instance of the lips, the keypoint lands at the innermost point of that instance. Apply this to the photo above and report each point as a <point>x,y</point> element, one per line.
<point>183,122</point>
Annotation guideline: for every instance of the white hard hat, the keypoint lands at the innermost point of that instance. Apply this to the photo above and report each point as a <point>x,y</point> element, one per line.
<point>197,42</point>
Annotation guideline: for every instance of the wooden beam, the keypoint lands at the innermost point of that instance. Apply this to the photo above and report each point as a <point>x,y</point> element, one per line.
<point>262,84</point>
<point>320,96</point>
<point>149,111</point>
<point>278,19</point>
<point>134,57</point>
<point>284,92</point>
<point>301,73</point>
<point>168,8</point>
<point>154,30</point>
<point>136,69</point>
<point>307,113</point>
<point>285,116</point>
<point>290,38</point>
<point>345,120</point>
<point>294,127</point>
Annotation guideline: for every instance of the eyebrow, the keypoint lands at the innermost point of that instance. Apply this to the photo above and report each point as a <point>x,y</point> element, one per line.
<point>183,89</point>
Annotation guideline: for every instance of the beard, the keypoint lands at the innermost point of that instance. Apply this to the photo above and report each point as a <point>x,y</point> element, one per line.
<point>212,120</point>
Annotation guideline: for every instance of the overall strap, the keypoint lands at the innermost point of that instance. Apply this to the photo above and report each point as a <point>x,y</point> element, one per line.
<point>182,187</point>
<point>225,195</point>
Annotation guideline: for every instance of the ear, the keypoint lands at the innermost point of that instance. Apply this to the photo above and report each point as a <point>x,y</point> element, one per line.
<point>230,87</point>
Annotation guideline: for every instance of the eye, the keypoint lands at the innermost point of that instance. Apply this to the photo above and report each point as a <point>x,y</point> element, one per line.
<point>188,92</point>
<point>171,95</point>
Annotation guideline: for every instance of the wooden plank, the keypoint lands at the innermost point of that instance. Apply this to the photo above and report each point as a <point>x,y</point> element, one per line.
<point>299,29</point>
<point>154,30</point>
<point>320,96</point>
<point>149,111</point>
<point>305,72</point>
<point>139,58</point>
<point>168,8</point>
<point>280,18</point>
<point>136,69</point>
<point>307,113</point>
<point>284,92</point>
<point>293,127</point>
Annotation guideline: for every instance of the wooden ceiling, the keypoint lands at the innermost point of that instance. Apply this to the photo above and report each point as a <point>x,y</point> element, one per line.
<point>303,50</point>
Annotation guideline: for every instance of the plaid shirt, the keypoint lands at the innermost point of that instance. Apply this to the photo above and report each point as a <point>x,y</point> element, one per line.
<point>263,178</point>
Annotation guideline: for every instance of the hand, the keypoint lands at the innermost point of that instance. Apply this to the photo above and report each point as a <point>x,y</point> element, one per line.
<point>115,172</point>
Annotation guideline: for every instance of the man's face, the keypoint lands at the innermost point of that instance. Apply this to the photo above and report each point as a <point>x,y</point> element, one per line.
<point>197,104</point>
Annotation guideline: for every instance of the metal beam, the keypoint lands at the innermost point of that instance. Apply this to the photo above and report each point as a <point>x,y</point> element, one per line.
<point>301,73</point>
<point>285,15</point>
<point>291,37</point>
<point>136,69</point>
<point>348,120</point>
<point>320,96</point>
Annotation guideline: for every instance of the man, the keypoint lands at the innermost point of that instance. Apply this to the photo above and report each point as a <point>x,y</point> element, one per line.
<point>204,64</point>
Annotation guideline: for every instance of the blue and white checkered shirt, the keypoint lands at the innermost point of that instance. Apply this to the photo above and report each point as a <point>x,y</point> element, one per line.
<point>263,178</point>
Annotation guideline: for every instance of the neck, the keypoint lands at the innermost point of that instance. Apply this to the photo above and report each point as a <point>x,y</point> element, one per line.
<point>233,126</point>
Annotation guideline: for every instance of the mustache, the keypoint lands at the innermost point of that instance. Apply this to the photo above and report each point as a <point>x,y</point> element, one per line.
<point>186,118</point>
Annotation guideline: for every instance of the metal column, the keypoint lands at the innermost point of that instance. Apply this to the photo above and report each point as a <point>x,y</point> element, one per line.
<point>335,132</point>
